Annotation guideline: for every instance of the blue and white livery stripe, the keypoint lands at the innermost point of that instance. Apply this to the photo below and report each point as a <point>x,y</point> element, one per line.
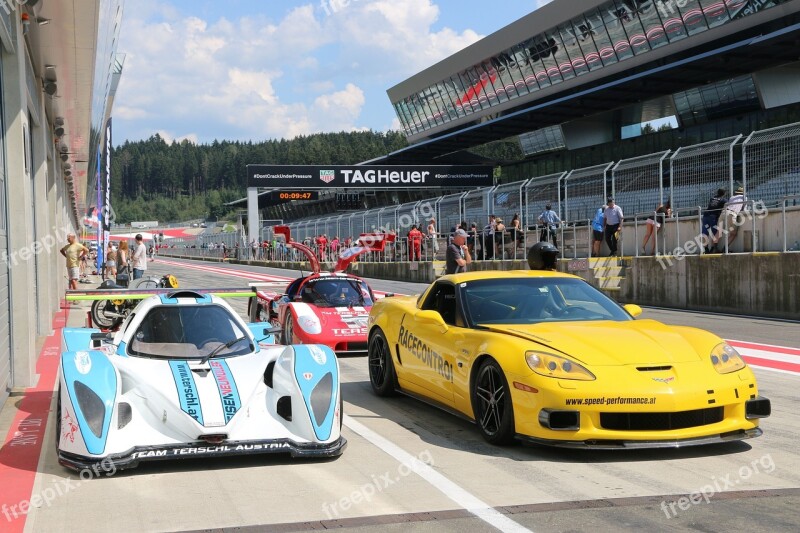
<point>187,390</point>
<point>228,393</point>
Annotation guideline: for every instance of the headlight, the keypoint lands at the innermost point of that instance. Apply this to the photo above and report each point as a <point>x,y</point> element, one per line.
<point>554,366</point>
<point>92,407</point>
<point>726,359</point>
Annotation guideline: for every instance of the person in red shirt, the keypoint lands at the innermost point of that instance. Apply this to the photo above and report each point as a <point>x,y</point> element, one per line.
<point>322,242</point>
<point>414,243</point>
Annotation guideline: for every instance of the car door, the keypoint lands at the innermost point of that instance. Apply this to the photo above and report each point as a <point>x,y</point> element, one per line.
<point>429,340</point>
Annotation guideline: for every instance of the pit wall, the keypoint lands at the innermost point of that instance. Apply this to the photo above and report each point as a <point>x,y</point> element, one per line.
<point>760,284</point>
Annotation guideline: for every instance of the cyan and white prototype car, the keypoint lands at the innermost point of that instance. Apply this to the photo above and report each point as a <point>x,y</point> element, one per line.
<point>185,376</point>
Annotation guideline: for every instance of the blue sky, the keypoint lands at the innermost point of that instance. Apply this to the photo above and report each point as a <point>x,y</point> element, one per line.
<point>256,69</point>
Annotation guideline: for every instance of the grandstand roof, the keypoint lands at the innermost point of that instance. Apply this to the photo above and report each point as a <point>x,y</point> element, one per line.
<point>763,40</point>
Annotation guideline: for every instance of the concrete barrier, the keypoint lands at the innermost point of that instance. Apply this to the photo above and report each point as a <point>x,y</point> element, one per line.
<point>760,284</point>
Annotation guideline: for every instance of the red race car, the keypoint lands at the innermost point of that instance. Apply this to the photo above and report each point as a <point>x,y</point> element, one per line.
<point>328,308</point>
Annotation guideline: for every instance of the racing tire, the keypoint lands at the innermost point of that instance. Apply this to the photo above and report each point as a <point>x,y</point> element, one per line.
<point>287,337</point>
<point>101,319</point>
<point>382,375</point>
<point>492,405</point>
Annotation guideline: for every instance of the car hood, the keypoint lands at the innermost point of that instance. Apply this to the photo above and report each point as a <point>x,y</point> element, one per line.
<point>608,343</point>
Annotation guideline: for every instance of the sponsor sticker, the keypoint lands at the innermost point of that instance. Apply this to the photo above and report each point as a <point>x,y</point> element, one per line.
<point>318,355</point>
<point>83,362</point>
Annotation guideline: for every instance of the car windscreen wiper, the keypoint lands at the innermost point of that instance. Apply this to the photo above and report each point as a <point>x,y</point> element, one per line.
<point>219,348</point>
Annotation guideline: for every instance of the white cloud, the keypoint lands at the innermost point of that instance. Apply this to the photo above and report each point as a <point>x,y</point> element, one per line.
<point>256,78</point>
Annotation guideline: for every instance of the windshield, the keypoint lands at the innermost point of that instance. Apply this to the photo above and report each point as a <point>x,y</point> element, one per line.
<point>188,332</point>
<point>336,292</point>
<point>534,300</point>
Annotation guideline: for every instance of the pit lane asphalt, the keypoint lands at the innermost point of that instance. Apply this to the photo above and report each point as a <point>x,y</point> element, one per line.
<point>755,483</point>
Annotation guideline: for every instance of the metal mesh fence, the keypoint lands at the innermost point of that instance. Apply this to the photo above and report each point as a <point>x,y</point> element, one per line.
<point>343,227</point>
<point>329,227</point>
<point>449,211</point>
<point>637,184</point>
<point>540,192</point>
<point>407,215</point>
<point>477,205</point>
<point>771,163</point>
<point>699,170</point>
<point>584,191</point>
<point>508,200</point>
<point>388,218</point>
<point>371,223</point>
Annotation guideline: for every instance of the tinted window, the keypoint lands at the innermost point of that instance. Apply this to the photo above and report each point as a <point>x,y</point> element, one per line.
<point>336,292</point>
<point>533,300</point>
<point>187,331</point>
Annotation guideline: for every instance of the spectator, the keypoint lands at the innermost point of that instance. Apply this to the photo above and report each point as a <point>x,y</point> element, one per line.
<point>254,247</point>
<point>433,236</point>
<point>457,256</point>
<point>710,220</point>
<point>335,247</point>
<point>654,223</point>
<point>472,237</point>
<point>597,230</point>
<point>322,243</point>
<point>122,257</point>
<point>731,213</point>
<point>74,252</point>
<point>499,237</point>
<point>414,243</point>
<point>613,225</point>
<point>515,227</point>
<point>550,220</point>
<point>139,258</point>
<point>488,238</point>
<point>110,270</point>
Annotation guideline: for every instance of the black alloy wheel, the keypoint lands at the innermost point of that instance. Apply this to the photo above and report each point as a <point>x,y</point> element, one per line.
<point>492,405</point>
<point>382,376</point>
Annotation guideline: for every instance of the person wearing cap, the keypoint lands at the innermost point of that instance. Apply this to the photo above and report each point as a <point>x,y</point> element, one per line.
<point>457,257</point>
<point>550,220</point>
<point>613,220</point>
<point>731,213</point>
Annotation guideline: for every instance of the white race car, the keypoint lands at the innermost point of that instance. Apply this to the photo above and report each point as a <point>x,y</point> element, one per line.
<point>184,376</point>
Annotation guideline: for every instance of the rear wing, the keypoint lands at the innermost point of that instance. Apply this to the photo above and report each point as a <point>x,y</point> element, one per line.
<point>141,294</point>
<point>367,242</point>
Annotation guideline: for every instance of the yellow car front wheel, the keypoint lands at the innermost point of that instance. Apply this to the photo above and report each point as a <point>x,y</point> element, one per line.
<point>382,375</point>
<point>491,403</point>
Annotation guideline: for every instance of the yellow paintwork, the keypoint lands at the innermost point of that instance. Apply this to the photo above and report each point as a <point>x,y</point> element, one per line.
<point>438,362</point>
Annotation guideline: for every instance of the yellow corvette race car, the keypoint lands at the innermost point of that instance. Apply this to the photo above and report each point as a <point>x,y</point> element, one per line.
<point>546,357</point>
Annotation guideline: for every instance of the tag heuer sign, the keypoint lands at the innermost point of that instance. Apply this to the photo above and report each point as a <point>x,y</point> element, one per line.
<point>369,176</point>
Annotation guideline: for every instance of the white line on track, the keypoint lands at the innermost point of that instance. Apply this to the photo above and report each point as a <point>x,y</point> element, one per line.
<point>227,271</point>
<point>453,491</point>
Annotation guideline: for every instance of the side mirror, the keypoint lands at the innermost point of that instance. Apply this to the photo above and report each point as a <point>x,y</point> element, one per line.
<point>271,331</point>
<point>633,309</point>
<point>101,335</point>
<point>431,318</point>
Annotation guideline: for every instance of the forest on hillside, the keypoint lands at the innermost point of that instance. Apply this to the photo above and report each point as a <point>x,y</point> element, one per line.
<point>156,180</point>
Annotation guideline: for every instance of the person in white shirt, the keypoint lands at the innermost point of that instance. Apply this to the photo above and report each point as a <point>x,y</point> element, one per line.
<point>432,235</point>
<point>732,210</point>
<point>612,224</point>
<point>139,258</point>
